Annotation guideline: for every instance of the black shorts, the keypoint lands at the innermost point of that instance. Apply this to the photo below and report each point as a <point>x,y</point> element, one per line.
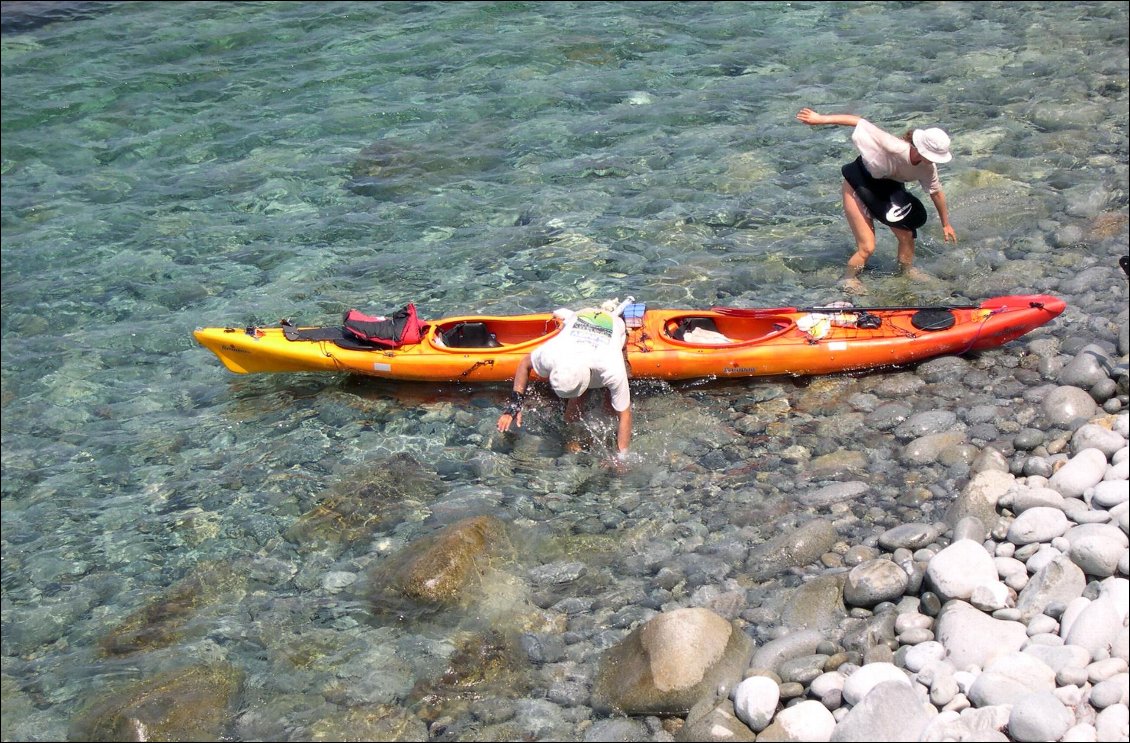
<point>886,199</point>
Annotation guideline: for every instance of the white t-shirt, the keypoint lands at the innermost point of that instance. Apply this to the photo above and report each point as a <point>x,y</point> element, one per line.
<point>599,338</point>
<point>887,156</point>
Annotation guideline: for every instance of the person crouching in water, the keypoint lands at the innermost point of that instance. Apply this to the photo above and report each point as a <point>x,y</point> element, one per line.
<point>873,188</point>
<point>587,354</point>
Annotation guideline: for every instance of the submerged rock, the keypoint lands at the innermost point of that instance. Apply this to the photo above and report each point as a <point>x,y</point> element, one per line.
<point>161,622</point>
<point>802,546</point>
<point>484,665</point>
<point>381,722</point>
<point>193,703</point>
<point>443,569</point>
<point>354,510</point>
<point>671,662</point>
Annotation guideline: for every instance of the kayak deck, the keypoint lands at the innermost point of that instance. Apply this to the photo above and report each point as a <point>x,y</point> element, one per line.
<point>668,344</point>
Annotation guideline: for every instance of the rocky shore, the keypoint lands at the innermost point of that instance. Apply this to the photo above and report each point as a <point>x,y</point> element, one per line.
<point>1007,620</point>
<point>1015,631</point>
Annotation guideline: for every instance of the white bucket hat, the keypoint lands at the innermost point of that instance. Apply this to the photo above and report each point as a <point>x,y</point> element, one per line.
<point>933,144</point>
<point>569,378</point>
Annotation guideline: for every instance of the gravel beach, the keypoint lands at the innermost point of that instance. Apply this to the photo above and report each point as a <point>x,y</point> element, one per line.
<point>1006,619</point>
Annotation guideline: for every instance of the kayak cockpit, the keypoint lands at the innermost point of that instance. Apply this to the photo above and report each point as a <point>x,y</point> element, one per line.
<point>695,329</point>
<point>486,333</point>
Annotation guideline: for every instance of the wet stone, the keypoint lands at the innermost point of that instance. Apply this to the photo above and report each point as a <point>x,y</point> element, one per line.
<point>1028,439</point>
<point>888,415</point>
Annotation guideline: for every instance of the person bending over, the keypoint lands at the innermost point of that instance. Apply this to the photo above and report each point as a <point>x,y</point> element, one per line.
<point>587,354</point>
<point>873,188</point>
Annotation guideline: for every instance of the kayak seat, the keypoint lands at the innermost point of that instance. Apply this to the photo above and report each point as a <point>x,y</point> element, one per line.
<point>469,335</point>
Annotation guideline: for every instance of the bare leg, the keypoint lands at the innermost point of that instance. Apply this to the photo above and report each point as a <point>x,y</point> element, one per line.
<point>863,230</point>
<point>906,255</point>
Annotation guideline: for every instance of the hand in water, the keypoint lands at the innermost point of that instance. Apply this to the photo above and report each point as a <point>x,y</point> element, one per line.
<point>506,419</point>
<point>620,462</point>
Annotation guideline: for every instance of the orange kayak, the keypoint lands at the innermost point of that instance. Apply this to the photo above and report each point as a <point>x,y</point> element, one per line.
<point>669,344</point>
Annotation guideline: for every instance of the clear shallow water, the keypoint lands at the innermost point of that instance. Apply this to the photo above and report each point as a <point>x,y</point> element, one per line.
<point>173,165</point>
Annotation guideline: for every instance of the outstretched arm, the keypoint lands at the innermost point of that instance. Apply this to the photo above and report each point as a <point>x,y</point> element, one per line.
<point>810,117</point>
<point>513,409</point>
<point>624,431</point>
<point>939,199</point>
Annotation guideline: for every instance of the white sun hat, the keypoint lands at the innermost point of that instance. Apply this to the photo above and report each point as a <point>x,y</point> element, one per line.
<point>933,144</point>
<point>569,378</point>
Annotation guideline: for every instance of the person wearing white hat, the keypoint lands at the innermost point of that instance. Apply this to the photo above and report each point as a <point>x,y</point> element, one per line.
<point>873,188</point>
<point>586,354</point>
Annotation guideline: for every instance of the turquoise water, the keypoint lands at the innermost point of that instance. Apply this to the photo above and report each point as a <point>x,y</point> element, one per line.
<point>172,165</point>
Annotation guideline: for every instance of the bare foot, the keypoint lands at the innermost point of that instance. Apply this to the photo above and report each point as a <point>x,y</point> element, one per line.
<point>915,274</point>
<point>853,286</point>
